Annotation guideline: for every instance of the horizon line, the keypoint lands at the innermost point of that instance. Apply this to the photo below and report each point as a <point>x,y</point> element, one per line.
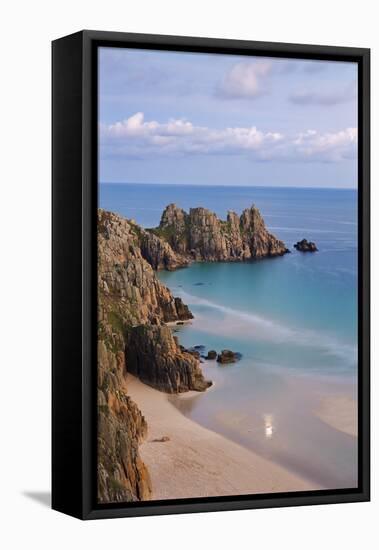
<point>230,185</point>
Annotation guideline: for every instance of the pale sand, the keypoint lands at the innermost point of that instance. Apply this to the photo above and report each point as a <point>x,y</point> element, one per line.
<point>340,412</point>
<point>196,462</point>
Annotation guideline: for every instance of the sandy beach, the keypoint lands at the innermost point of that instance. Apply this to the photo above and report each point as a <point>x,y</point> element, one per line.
<point>340,412</point>
<point>187,460</point>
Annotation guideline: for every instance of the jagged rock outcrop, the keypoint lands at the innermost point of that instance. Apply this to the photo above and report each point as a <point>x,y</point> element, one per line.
<point>261,243</point>
<point>306,246</point>
<point>155,356</point>
<point>200,235</point>
<point>174,228</point>
<point>182,311</point>
<point>129,291</point>
<point>129,294</point>
<point>159,254</point>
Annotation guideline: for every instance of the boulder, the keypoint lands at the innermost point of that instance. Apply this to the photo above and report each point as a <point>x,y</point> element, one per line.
<point>228,356</point>
<point>212,355</point>
<point>305,246</point>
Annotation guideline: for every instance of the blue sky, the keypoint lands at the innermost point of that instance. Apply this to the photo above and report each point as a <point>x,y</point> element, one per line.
<point>185,118</point>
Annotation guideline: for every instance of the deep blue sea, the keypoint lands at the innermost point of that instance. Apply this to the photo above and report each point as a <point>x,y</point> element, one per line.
<point>294,319</point>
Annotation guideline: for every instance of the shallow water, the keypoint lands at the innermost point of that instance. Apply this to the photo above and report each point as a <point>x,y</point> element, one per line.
<point>267,400</point>
<point>294,319</point>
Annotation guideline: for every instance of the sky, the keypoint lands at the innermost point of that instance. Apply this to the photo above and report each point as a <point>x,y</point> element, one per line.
<point>210,119</point>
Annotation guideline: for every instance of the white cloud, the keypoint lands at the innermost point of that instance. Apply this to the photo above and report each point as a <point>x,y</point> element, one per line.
<point>135,137</point>
<point>328,146</point>
<point>246,80</point>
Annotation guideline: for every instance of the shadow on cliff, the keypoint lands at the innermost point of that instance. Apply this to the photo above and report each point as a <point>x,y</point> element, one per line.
<point>41,497</point>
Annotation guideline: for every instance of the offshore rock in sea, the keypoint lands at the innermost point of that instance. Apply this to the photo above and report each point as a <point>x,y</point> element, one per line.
<point>157,359</point>
<point>306,246</point>
<point>201,236</point>
<point>228,356</point>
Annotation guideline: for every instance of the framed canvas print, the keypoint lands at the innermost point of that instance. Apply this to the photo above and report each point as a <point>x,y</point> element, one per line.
<point>210,274</point>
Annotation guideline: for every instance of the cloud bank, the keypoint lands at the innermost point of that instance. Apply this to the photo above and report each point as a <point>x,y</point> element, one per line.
<point>135,137</point>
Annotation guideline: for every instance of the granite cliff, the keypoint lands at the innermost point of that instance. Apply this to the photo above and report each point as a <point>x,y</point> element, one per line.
<point>122,476</point>
<point>155,356</point>
<point>132,301</point>
<point>201,236</point>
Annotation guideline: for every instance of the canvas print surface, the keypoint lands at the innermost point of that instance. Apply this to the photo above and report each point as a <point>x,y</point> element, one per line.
<point>227,275</point>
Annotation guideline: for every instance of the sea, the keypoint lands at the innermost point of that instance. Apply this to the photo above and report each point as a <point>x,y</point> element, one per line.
<point>293,319</point>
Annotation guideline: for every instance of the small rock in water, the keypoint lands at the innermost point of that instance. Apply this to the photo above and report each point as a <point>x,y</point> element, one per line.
<point>212,354</point>
<point>228,356</point>
<point>305,246</point>
<point>198,284</point>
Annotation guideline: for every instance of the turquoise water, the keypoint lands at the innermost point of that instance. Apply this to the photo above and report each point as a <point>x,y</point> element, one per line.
<point>294,319</point>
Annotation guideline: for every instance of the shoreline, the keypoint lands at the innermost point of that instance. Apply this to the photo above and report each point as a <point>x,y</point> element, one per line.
<point>187,460</point>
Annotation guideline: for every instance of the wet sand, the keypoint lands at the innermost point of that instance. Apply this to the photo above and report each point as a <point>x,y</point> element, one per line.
<point>187,460</point>
<point>340,412</point>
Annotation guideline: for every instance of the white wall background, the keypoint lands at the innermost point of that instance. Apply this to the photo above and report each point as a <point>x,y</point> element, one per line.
<point>27,29</point>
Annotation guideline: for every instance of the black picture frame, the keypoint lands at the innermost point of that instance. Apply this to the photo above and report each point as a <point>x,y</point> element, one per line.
<point>74,294</point>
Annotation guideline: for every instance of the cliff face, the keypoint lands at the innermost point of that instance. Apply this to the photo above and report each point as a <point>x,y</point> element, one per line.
<point>130,295</point>
<point>155,356</point>
<point>122,476</point>
<point>201,236</point>
<point>159,254</point>
<point>129,291</point>
<point>254,233</point>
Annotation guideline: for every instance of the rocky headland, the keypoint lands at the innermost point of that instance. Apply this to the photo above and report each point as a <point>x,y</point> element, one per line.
<point>134,308</point>
<point>201,236</point>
